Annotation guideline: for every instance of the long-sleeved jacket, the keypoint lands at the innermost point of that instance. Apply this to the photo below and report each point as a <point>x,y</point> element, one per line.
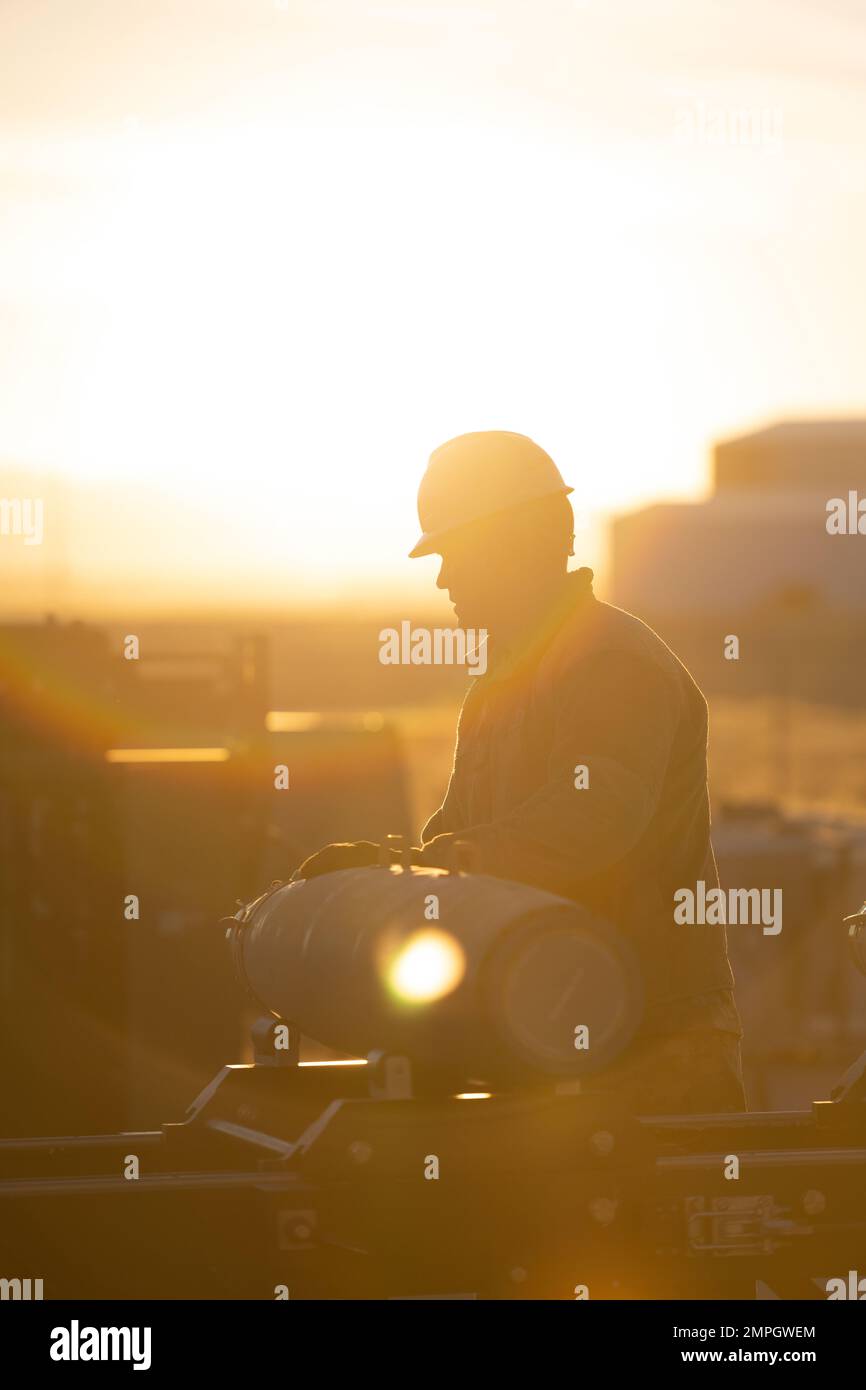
<point>596,687</point>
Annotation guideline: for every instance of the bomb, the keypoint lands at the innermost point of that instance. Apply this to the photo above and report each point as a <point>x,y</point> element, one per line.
<point>471,977</point>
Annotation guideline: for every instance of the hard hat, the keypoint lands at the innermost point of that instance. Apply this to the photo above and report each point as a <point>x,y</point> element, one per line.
<point>476,475</point>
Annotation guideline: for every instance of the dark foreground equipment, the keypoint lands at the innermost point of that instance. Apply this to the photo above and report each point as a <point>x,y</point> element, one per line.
<point>377,1178</point>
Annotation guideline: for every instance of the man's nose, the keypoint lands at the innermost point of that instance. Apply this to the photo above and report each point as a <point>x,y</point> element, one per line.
<point>442,580</point>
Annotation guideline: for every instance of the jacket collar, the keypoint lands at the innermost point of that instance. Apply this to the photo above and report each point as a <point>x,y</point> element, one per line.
<point>512,661</point>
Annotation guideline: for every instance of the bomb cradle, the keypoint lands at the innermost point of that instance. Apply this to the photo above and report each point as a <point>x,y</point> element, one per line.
<point>312,1176</point>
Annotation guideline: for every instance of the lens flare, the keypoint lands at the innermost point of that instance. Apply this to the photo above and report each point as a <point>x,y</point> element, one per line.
<point>427,966</point>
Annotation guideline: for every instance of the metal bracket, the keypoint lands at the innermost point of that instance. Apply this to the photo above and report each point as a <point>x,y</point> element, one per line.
<point>737,1225</point>
<point>389,1076</point>
<point>265,1039</point>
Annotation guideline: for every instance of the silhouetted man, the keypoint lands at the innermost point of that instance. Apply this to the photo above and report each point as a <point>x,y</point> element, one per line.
<point>573,682</point>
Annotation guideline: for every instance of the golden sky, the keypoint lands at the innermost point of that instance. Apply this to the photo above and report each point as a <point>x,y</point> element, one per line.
<point>257,259</point>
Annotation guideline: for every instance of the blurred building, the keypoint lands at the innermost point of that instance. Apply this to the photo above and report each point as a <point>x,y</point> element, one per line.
<point>761,535</point>
<point>756,559</point>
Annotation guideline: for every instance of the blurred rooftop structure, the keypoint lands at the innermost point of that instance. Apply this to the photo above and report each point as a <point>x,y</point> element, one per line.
<point>828,456</point>
<point>760,539</point>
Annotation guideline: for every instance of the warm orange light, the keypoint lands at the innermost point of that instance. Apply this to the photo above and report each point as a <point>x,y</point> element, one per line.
<point>167,755</point>
<point>341,1062</point>
<point>301,721</point>
<point>291,721</point>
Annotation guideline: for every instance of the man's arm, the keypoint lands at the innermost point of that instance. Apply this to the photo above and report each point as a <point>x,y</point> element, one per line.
<point>449,811</point>
<point>618,714</point>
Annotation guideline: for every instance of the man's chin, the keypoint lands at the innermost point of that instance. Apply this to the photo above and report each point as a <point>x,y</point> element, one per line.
<point>467,619</point>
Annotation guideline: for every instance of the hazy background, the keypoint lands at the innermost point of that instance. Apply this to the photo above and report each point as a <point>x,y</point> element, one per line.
<point>259,258</point>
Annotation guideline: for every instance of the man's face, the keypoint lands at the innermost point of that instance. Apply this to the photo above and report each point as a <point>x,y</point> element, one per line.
<point>500,571</point>
<point>478,573</point>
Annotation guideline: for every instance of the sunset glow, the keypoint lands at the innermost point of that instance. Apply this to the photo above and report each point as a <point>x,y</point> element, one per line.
<point>279,292</point>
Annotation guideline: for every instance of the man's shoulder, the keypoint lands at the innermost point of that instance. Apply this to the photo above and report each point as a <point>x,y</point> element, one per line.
<point>598,629</point>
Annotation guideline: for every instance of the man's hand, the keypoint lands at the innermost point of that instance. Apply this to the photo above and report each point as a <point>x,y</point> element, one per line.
<point>355,855</point>
<point>438,853</point>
